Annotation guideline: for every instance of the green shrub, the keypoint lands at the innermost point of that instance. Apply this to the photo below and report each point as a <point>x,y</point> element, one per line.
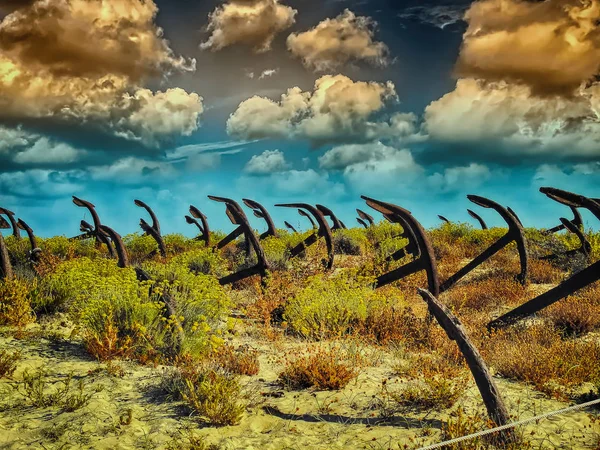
<point>8,363</point>
<point>216,397</point>
<point>277,251</point>
<point>122,317</point>
<point>201,261</point>
<point>350,242</point>
<point>331,306</point>
<point>139,246</point>
<point>15,302</point>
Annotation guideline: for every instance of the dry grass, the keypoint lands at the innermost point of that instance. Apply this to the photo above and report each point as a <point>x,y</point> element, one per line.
<point>543,272</point>
<point>538,355</point>
<point>574,316</point>
<point>8,363</point>
<point>323,369</point>
<point>485,294</point>
<point>243,361</point>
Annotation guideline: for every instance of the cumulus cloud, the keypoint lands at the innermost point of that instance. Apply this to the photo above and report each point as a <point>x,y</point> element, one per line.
<point>459,178</point>
<point>372,166</point>
<point>12,138</point>
<point>337,110</point>
<point>38,183</point>
<point>269,161</point>
<point>335,42</point>
<point>89,38</point>
<point>551,46</point>
<point>249,22</point>
<point>510,119</point>
<point>45,151</point>
<point>132,170</point>
<point>82,62</point>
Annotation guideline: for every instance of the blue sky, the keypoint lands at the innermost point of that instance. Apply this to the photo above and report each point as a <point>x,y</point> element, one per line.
<point>415,103</point>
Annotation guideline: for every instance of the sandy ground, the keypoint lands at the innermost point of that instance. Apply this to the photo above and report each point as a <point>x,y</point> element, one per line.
<point>131,412</point>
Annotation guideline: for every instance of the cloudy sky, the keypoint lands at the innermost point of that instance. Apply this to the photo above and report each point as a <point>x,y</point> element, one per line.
<point>416,103</point>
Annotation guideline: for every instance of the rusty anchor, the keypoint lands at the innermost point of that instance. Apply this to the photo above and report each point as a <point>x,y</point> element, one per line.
<point>577,221</point>
<point>309,217</point>
<point>323,231</point>
<point>34,253</point>
<point>444,219</point>
<point>337,223</point>
<point>122,257</point>
<point>366,218</point>
<point>13,222</point>
<point>477,217</point>
<point>514,234</point>
<point>362,222</point>
<point>6,270</point>
<point>455,331</point>
<point>238,217</point>
<point>88,231</point>
<point>261,212</point>
<point>423,251</point>
<point>514,214</point>
<point>202,225</point>
<point>585,247</point>
<point>154,229</point>
<point>576,282</point>
<point>290,226</point>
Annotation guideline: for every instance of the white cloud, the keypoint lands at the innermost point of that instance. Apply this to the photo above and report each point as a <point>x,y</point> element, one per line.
<point>45,151</point>
<point>516,121</point>
<point>270,161</point>
<point>337,110</point>
<point>335,42</point>
<point>249,22</point>
<point>82,62</point>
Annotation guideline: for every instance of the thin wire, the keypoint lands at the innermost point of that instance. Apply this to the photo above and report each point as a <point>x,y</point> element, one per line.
<point>511,425</point>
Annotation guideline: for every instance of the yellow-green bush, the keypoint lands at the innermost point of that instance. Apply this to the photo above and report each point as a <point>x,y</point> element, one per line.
<point>178,243</point>
<point>122,317</point>
<point>352,241</point>
<point>15,302</point>
<point>139,246</point>
<point>332,306</point>
<point>201,261</point>
<point>64,248</point>
<point>277,251</point>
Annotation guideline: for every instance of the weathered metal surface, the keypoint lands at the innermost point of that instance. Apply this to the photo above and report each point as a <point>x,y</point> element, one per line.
<point>365,217</point>
<point>490,394</point>
<point>309,217</point>
<point>204,228</point>
<point>587,276</point>
<point>122,256</point>
<point>290,226</point>
<point>323,231</point>
<point>337,223</point>
<point>13,222</point>
<point>423,260</point>
<point>577,221</point>
<point>238,217</point>
<point>154,229</point>
<point>34,253</point>
<point>95,218</point>
<point>5,265</point>
<point>477,217</point>
<point>444,219</point>
<point>261,211</point>
<point>514,234</point>
<point>514,214</point>
<point>585,248</point>
<point>4,225</point>
<point>362,222</point>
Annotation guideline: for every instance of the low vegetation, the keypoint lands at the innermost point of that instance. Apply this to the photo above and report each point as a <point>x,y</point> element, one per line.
<point>303,346</point>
